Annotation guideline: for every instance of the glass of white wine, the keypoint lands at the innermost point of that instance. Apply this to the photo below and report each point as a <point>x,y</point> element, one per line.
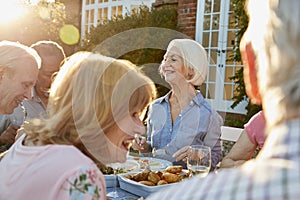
<point>114,193</point>
<point>199,160</point>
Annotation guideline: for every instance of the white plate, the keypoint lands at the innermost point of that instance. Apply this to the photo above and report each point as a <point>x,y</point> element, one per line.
<point>128,166</point>
<point>156,163</point>
<point>138,188</point>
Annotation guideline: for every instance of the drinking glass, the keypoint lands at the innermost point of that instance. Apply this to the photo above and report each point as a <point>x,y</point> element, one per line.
<point>114,193</point>
<point>199,160</point>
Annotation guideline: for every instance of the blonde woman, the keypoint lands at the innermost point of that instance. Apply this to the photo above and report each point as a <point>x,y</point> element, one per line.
<point>182,117</point>
<point>94,107</point>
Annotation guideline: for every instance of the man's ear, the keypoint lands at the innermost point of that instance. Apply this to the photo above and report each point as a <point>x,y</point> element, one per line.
<point>250,73</point>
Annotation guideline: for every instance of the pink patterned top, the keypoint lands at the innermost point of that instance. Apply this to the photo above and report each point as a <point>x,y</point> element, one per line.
<point>49,172</point>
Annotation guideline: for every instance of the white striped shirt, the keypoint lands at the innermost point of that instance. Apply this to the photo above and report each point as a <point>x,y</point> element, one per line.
<point>275,174</point>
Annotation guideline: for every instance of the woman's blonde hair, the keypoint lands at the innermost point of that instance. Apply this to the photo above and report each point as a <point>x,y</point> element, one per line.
<point>90,94</point>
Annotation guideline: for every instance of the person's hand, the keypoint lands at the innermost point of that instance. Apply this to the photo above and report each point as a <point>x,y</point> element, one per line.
<point>8,136</point>
<point>182,154</point>
<point>139,142</point>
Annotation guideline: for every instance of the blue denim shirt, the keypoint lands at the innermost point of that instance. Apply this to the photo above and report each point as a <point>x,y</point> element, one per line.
<point>198,123</point>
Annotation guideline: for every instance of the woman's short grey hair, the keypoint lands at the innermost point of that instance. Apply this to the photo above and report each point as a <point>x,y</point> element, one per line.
<point>194,57</point>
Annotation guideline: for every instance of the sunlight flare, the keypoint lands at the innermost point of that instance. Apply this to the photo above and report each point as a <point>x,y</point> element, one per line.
<point>11,10</point>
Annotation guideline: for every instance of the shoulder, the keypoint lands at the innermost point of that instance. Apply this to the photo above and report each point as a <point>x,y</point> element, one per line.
<point>202,103</point>
<point>160,99</point>
<point>68,153</point>
<point>257,121</point>
<point>206,107</point>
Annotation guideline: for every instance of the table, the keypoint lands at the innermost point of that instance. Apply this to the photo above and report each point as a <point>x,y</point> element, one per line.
<point>123,195</point>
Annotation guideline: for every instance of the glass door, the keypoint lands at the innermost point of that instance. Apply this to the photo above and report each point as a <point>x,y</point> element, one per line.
<point>215,30</point>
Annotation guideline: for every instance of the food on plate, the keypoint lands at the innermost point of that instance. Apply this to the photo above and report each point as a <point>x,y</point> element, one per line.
<point>106,170</point>
<point>153,178</point>
<point>152,163</point>
<point>174,169</point>
<point>128,166</point>
<point>141,176</point>
<point>149,183</point>
<point>171,178</point>
<point>162,182</point>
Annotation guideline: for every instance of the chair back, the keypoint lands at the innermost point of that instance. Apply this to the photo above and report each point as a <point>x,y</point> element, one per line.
<point>230,133</point>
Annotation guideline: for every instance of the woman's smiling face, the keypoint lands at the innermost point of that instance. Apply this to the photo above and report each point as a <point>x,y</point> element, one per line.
<point>122,134</point>
<point>172,66</point>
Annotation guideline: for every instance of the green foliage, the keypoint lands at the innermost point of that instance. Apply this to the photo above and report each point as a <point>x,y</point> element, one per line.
<point>165,17</point>
<point>241,19</point>
<point>235,120</point>
<point>241,23</point>
<point>50,18</point>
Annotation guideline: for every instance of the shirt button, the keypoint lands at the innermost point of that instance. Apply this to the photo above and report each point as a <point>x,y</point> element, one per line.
<point>191,103</point>
<point>179,115</point>
<point>170,130</point>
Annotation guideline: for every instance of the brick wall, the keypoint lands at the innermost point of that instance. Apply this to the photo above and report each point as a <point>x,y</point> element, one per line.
<point>187,11</point>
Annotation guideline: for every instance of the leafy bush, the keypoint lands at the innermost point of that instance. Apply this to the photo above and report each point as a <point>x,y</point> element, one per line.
<point>165,17</point>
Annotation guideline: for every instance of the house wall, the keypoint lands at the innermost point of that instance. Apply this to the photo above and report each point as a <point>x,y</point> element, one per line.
<point>187,11</point>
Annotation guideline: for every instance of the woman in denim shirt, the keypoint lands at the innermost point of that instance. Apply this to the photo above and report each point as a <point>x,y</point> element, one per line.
<point>182,117</point>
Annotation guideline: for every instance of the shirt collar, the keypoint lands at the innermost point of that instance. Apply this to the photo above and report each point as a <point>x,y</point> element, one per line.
<point>35,97</point>
<point>198,99</point>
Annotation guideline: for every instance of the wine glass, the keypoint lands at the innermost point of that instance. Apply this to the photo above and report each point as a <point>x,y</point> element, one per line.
<point>199,160</point>
<point>114,193</point>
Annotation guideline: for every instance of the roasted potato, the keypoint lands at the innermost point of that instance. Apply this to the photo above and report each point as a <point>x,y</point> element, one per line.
<point>171,174</point>
<point>162,182</point>
<point>159,173</point>
<point>170,178</point>
<point>141,176</point>
<point>153,177</point>
<point>174,169</point>
<point>149,183</point>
